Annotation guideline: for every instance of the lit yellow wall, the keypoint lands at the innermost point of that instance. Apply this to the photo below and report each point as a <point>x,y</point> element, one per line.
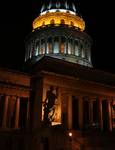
<point>58,16</point>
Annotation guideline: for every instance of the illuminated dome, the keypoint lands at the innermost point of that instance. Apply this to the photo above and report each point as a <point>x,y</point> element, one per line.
<point>58,32</point>
<point>59,13</point>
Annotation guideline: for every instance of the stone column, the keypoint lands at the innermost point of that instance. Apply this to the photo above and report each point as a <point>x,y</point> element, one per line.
<point>69,112</point>
<point>17,112</point>
<point>100,113</point>
<point>80,109</point>
<point>109,114</point>
<point>5,112</point>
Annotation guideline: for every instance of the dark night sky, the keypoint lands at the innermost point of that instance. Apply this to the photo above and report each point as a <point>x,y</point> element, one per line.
<point>16,22</point>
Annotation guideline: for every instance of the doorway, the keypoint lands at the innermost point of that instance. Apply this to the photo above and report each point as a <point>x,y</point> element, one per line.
<point>105,114</point>
<point>86,114</point>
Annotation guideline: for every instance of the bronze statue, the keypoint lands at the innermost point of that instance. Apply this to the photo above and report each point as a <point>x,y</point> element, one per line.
<point>49,108</point>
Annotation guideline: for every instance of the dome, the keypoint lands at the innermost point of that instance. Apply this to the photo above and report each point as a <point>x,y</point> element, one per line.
<point>55,12</point>
<point>58,32</point>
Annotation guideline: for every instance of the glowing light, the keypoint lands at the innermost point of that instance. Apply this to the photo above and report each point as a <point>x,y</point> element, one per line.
<point>58,10</point>
<point>69,19</point>
<point>70,134</point>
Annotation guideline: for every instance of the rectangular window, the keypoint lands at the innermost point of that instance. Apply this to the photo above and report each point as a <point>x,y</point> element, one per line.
<point>49,46</point>
<point>56,45</point>
<point>42,48</point>
<point>63,45</point>
<point>37,48</point>
<point>76,48</point>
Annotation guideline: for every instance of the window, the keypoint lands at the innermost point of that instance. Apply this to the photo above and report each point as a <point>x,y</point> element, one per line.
<point>62,21</point>
<point>70,46</point>
<point>79,49</point>
<point>33,49</point>
<point>42,48</point>
<point>49,45</point>
<point>43,23</point>
<point>56,44</point>
<point>37,47</point>
<point>72,24</point>
<point>63,45</point>
<point>52,22</point>
<point>76,48</point>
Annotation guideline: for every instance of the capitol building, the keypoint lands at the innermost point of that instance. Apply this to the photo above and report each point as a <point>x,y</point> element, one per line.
<point>59,102</point>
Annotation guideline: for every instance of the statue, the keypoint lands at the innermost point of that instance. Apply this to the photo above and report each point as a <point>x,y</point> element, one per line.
<point>49,108</point>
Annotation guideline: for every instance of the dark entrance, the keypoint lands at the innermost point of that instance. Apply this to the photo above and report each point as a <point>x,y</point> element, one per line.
<point>86,114</point>
<point>95,114</point>
<point>75,114</point>
<point>23,112</point>
<point>105,114</point>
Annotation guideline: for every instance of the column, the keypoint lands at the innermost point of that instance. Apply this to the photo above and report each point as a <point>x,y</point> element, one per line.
<point>109,114</point>
<point>17,112</point>
<point>5,112</point>
<point>69,112</point>
<point>80,109</point>
<point>100,113</point>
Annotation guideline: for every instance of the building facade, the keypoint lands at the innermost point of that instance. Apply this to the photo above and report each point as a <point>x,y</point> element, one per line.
<point>62,102</point>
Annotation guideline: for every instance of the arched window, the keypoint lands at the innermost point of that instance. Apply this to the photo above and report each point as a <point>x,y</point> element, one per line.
<point>72,24</point>
<point>52,22</point>
<point>43,23</point>
<point>62,21</point>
